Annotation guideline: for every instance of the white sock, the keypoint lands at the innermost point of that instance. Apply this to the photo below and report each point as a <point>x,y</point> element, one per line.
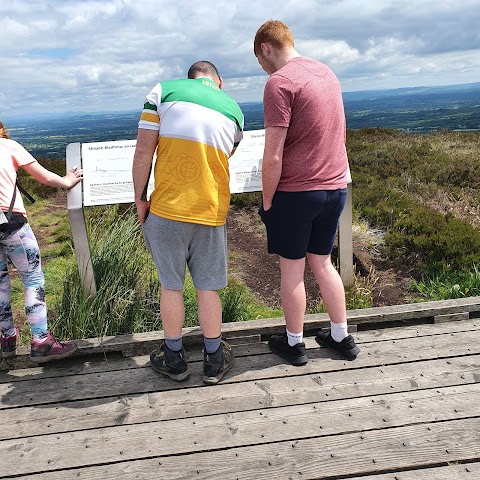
<point>294,338</point>
<point>339,331</point>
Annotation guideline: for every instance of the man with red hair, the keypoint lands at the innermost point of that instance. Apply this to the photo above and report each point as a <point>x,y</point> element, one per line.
<point>304,176</point>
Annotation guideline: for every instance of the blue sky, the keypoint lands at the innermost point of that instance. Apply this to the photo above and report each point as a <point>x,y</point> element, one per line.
<point>98,55</point>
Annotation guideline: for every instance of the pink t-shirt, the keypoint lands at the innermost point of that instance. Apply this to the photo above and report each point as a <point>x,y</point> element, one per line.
<point>12,156</point>
<point>305,96</point>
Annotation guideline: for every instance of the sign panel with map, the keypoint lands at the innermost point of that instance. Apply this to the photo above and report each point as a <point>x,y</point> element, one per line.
<point>107,169</point>
<point>246,163</point>
<point>107,172</point>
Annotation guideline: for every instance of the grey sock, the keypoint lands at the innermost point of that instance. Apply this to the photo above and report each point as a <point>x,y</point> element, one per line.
<point>174,344</point>
<point>212,344</point>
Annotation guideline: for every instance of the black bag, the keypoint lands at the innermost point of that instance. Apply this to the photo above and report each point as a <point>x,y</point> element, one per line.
<point>15,220</point>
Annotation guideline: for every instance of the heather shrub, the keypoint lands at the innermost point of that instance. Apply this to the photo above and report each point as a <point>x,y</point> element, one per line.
<point>436,240</point>
<point>398,181</point>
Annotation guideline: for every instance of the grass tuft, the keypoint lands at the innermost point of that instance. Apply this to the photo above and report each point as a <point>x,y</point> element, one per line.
<point>128,290</point>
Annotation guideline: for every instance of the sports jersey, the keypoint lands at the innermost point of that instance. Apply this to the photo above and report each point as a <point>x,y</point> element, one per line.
<point>199,127</point>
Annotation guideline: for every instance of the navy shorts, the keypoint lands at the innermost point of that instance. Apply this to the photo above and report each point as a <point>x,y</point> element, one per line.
<point>301,222</point>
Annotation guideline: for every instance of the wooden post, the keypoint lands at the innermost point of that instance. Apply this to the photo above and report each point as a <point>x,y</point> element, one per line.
<point>345,241</point>
<point>79,228</point>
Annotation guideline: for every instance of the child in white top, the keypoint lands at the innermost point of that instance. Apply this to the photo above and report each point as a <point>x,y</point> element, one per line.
<point>19,245</point>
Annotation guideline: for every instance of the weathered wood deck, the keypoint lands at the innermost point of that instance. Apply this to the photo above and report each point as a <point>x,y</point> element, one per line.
<point>408,408</point>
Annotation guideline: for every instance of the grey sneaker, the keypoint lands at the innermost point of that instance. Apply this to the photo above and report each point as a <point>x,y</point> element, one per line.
<point>170,363</point>
<point>215,365</point>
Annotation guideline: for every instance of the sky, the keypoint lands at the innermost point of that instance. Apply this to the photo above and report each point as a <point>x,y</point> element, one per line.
<point>61,56</point>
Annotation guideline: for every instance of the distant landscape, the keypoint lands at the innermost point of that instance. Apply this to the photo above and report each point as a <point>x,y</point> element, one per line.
<point>418,110</point>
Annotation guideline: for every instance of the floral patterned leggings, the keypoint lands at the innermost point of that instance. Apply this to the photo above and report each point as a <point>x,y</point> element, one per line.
<point>21,248</point>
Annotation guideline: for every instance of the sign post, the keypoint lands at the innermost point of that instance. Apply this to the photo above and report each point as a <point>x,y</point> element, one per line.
<point>79,228</point>
<point>345,241</point>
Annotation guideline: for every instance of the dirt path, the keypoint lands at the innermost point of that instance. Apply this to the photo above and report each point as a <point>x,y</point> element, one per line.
<point>56,202</point>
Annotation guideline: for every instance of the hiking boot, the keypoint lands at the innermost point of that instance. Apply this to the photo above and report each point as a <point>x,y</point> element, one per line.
<point>347,347</point>
<point>294,355</point>
<point>51,349</point>
<point>10,344</point>
<point>215,365</point>
<point>170,363</point>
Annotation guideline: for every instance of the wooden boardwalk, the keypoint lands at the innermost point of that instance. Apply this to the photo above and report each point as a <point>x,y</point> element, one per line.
<point>407,409</point>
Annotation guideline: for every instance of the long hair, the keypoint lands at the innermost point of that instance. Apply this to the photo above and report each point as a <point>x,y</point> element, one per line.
<point>3,131</point>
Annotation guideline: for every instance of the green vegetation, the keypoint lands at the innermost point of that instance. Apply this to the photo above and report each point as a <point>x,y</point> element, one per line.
<point>423,191</point>
<point>128,289</point>
<point>448,284</point>
<point>357,296</point>
<point>247,200</point>
<point>419,193</point>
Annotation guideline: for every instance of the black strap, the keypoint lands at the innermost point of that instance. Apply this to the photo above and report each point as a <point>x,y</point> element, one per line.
<point>10,208</point>
<point>30,198</point>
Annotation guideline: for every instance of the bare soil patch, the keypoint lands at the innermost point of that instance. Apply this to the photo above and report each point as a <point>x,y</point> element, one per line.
<point>249,259</point>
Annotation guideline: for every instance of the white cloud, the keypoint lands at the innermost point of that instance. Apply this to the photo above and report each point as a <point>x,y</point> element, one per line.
<point>332,52</point>
<point>88,55</point>
<point>12,28</point>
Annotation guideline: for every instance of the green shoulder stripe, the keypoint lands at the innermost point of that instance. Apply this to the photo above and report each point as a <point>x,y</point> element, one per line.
<point>204,92</point>
<point>149,106</point>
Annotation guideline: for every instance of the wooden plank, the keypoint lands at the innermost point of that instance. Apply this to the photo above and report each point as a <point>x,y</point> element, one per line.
<point>96,363</point>
<point>384,450</point>
<point>109,361</point>
<point>345,241</point>
<point>465,471</point>
<point>425,309</point>
<point>112,361</point>
<point>451,317</point>
<point>78,225</point>
<point>236,397</point>
<point>381,334</point>
<point>143,380</point>
<point>133,442</point>
<point>142,343</point>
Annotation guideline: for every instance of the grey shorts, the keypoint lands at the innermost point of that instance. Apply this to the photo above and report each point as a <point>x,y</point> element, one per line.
<point>174,245</point>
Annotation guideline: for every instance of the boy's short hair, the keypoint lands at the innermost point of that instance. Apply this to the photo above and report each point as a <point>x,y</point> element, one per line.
<point>203,68</point>
<point>274,32</point>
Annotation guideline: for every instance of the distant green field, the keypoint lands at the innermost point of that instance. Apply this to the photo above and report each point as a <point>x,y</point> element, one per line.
<point>418,110</point>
